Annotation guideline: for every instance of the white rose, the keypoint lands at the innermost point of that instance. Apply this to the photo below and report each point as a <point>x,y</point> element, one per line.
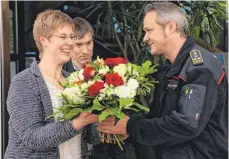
<point>73,94</point>
<point>123,92</point>
<point>120,69</point>
<point>70,91</point>
<point>132,93</point>
<point>77,99</point>
<point>104,70</point>
<point>132,83</point>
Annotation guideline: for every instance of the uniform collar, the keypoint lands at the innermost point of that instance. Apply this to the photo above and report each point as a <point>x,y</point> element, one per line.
<point>181,57</point>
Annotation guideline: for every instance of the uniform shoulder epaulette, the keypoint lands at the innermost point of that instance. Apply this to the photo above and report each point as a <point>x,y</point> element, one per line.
<point>196,57</point>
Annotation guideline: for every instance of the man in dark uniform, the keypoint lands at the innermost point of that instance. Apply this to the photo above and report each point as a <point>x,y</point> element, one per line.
<point>81,55</point>
<point>188,117</point>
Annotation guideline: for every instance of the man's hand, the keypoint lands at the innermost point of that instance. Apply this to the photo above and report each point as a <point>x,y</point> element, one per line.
<point>84,119</point>
<point>108,126</point>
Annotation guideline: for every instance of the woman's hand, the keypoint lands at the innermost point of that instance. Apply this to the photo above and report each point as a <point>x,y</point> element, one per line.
<point>84,119</point>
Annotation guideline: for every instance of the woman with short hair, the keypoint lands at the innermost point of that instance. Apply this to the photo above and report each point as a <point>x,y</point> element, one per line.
<point>32,98</point>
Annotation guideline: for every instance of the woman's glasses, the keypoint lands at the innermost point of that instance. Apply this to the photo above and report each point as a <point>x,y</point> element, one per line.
<point>65,37</point>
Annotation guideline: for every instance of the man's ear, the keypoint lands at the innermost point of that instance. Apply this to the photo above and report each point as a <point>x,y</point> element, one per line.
<point>171,27</point>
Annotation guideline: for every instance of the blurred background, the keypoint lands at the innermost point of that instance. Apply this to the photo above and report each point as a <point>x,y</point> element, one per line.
<point>118,32</point>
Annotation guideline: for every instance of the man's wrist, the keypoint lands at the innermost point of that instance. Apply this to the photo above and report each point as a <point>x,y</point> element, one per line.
<point>131,123</point>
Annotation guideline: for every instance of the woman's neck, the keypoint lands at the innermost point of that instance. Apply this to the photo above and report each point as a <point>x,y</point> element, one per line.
<point>51,68</point>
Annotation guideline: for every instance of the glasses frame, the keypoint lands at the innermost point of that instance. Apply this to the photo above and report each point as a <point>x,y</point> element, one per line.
<point>64,37</point>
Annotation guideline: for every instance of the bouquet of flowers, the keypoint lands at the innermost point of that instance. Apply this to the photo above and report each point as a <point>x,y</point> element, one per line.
<point>106,87</point>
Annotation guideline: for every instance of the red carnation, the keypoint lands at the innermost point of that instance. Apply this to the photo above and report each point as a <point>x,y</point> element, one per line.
<point>94,89</point>
<point>112,62</point>
<point>114,79</point>
<point>88,73</point>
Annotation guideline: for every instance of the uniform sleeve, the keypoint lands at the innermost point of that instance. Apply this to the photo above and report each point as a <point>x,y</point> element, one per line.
<point>27,119</point>
<point>196,104</point>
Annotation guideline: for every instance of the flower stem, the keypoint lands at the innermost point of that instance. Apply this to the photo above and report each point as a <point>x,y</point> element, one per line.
<point>112,138</point>
<point>119,144</point>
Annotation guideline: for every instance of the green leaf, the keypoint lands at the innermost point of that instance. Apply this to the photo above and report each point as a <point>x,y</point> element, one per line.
<point>70,101</point>
<point>142,70</point>
<point>88,102</point>
<point>134,109</point>
<point>147,64</point>
<point>112,110</point>
<point>64,109</point>
<point>120,115</point>
<point>125,102</point>
<point>141,106</point>
<point>111,103</point>
<point>103,116</point>
<point>61,84</point>
<point>96,77</point>
<point>97,105</point>
<point>64,98</point>
<point>72,113</point>
<point>88,110</point>
<point>146,69</point>
<point>197,31</point>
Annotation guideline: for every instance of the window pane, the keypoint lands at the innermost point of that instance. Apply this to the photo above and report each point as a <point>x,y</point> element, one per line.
<point>11,33</point>
<point>28,61</point>
<point>13,69</point>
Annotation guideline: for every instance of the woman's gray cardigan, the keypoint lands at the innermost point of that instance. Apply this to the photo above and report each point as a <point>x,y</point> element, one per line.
<point>31,135</point>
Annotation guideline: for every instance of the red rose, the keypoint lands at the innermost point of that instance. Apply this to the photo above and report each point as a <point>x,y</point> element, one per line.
<point>112,62</point>
<point>120,60</point>
<point>94,89</point>
<point>114,79</point>
<point>88,73</point>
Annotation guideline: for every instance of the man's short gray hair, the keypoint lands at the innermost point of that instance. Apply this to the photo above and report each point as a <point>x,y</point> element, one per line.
<point>82,27</point>
<point>168,11</point>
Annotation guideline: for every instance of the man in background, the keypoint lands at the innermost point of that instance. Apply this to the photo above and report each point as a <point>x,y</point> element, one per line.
<point>83,49</point>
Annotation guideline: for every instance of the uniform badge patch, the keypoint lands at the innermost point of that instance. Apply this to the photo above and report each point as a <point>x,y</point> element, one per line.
<point>196,57</point>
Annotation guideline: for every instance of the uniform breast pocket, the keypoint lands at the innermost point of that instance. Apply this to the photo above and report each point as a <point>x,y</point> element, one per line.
<point>191,102</point>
